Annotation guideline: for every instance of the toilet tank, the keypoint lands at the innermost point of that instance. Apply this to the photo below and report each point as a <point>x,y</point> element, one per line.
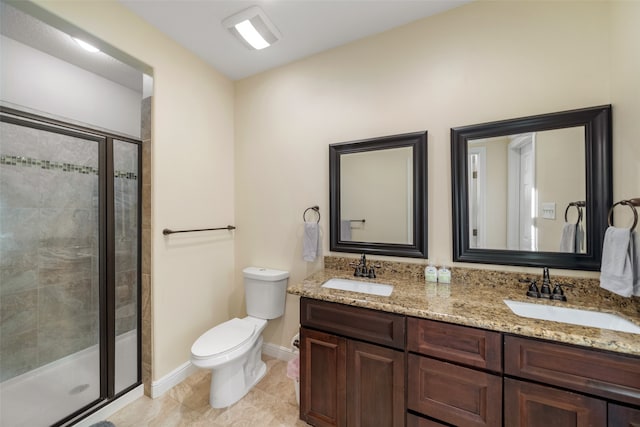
<point>265,291</point>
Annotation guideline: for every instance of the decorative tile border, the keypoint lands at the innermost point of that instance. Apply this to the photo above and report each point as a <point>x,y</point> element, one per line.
<point>64,167</point>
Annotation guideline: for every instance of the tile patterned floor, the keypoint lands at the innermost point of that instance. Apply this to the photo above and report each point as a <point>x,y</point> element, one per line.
<point>271,403</point>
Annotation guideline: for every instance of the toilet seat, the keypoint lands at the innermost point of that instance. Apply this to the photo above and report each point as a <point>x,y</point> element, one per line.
<point>223,338</point>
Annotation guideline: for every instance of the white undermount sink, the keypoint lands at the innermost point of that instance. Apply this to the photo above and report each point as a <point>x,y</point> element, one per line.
<point>370,288</point>
<point>574,316</point>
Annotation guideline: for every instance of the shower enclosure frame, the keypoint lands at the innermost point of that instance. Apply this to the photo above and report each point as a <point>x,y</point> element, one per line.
<point>107,246</point>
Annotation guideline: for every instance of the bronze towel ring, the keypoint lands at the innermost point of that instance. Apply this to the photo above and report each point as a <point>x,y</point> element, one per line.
<point>316,209</point>
<point>632,203</point>
<point>579,205</point>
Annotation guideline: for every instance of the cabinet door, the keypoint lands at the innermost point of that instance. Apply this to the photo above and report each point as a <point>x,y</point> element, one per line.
<point>533,405</point>
<point>375,386</point>
<point>621,416</point>
<point>322,378</point>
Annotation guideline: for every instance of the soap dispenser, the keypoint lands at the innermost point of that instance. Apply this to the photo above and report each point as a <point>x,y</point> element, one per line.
<point>444,275</point>
<point>431,273</point>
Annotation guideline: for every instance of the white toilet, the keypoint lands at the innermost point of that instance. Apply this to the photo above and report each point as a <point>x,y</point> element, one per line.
<point>232,350</point>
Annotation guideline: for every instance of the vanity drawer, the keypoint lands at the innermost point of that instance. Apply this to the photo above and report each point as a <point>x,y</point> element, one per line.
<point>460,344</point>
<point>416,421</point>
<point>454,394</point>
<point>608,375</point>
<point>374,326</point>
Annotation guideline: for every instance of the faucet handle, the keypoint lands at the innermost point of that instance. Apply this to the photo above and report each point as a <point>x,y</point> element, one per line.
<point>372,271</point>
<point>558,293</point>
<point>533,290</point>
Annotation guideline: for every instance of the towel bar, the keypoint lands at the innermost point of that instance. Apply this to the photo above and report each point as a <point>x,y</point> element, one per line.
<point>632,203</point>
<point>167,231</point>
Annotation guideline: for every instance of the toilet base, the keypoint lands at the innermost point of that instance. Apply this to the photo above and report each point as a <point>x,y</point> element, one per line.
<point>232,381</point>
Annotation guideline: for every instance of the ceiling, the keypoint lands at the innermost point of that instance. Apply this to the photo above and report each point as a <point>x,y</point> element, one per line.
<point>307,26</point>
<point>24,28</point>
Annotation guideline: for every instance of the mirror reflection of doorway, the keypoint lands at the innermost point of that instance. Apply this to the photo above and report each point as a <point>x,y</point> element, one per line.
<point>522,199</point>
<point>477,197</point>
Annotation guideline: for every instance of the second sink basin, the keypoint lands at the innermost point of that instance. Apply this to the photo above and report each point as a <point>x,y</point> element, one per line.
<point>574,316</point>
<point>379,289</point>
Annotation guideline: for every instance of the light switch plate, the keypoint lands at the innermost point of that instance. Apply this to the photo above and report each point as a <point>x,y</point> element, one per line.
<point>549,210</point>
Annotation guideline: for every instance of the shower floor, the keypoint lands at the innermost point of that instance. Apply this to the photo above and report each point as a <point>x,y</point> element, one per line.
<point>52,392</point>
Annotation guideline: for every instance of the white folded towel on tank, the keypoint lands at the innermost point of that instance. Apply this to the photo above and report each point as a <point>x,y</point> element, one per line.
<point>617,269</point>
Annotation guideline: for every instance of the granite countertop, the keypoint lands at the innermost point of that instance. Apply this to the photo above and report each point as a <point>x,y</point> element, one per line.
<point>477,300</point>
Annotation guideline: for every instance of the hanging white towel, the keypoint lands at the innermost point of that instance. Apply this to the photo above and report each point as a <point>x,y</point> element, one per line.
<point>579,239</point>
<point>635,260</point>
<point>617,269</point>
<point>568,238</point>
<point>345,230</point>
<point>311,241</point>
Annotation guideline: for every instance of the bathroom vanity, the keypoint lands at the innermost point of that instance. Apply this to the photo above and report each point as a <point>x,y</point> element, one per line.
<point>437,355</point>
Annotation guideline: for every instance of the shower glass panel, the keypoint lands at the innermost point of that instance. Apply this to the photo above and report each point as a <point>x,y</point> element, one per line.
<point>126,189</point>
<point>50,247</point>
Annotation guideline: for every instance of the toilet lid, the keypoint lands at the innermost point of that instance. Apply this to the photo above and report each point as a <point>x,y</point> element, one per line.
<point>223,337</point>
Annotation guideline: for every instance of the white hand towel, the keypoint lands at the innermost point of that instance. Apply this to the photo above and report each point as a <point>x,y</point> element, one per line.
<point>345,230</point>
<point>579,239</point>
<point>310,241</point>
<point>616,271</point>
<point>635,259</point>
<point>568,238</point>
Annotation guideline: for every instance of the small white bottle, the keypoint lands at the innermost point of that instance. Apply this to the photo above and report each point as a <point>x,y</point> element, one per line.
<point>444,275</point>
<point>431,273</point>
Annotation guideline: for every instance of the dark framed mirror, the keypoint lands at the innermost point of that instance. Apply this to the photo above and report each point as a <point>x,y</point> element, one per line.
<point>378,195</point>
<point>533,191</point>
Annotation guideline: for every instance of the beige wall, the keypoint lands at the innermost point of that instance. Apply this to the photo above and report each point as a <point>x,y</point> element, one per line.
<point>625,97</point>
<point>482,62</point>
<point>193,284</point>
<point>560,178</point>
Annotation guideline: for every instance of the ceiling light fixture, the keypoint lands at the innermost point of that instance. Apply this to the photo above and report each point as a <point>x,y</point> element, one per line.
<point>253,28</point>
<point>86,46</point>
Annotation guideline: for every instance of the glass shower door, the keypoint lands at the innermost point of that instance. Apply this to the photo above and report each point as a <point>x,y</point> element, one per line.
<point>126,190</point>
<point>50,281</point>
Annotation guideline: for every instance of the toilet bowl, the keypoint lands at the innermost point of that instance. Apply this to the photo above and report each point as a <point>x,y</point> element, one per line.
<point>233,349</point>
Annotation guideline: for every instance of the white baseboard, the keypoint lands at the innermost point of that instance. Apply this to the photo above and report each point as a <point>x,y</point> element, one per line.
<point>279,352</point>
<point>173,378</point>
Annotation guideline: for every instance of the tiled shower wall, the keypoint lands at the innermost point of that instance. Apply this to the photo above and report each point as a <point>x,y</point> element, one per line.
<point>146,297</point>
<point>49,272</point>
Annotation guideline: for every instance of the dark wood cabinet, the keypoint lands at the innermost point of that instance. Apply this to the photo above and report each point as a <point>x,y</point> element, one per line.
<point>322,378</point>
<point>454,394</point>
<point>459,344</point>
<point>604,374</point>
<point>346,381</point>
<point>440,388</point>
<point>416,421</point>
<point>354,372</point>
<point>375,385</point>
<point>533,405</point>
<point>621,416</point>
